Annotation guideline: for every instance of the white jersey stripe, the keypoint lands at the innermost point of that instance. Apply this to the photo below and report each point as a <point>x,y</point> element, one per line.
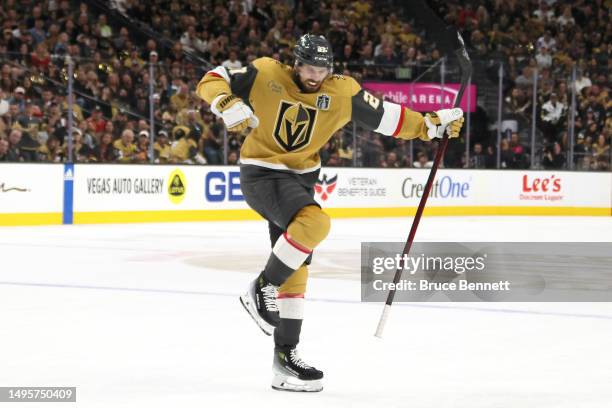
<point>390,118</point>
<point>222,72</point>
<point>279,166</point>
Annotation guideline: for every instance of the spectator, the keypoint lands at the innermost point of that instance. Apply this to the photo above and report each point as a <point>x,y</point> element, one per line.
<point>212,146</point>
<point>18,99</point>
<point>601,151</point>
<point>161,148</point>
<point>553,157</point>
<point>477,158</point>
<point>104,152</point>
<point>507,159</point>
<point>232,158</point>
<point>96,123</point>
<point>14,150</point>
<point>388,61</point>
<point>544,13</point>
<point>81,152</point>
<point>422,161</point>
<point>4,148</point>
<point>142,147</point>
<point>552,113</point>
<point>519,159</point>
<point>391,161</point>
<point>566,18</point>
<point>180,100</point>
<point>519,104</point>
<point>124,147</point>
<point>41,58</point>
<point>29,147</point>
<point>52,151</point>
<point>543,58</point>
<point>185,148</point>
<point>106,30</point>
<point>582,81</point>
<point>232,62</point>
<point>581,150</point>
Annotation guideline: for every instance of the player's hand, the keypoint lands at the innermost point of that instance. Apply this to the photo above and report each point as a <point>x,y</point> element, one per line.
<point>449,120</point>
<point>236,115</point>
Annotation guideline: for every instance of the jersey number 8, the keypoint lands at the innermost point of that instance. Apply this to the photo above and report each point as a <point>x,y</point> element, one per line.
<point>371,99</point>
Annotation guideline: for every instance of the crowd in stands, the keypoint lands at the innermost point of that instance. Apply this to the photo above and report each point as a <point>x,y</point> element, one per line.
<point>371,39</point>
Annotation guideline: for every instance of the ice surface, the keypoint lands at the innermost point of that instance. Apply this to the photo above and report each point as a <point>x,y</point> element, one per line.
<point>147,315</point>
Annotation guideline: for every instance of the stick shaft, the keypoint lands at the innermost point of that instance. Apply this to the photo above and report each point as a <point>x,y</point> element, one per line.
<point>466,72</point>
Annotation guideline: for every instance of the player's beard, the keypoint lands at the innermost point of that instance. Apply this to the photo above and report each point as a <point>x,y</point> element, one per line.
<point>307,86</point>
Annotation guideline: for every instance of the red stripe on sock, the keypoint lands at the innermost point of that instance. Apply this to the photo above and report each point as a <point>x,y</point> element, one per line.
<point>399,124</point>
<point>290,296</point>
<point>296,245</point>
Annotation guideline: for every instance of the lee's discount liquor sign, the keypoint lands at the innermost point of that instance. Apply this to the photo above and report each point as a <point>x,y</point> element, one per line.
<point>423,97</point>
<point>542,188</point>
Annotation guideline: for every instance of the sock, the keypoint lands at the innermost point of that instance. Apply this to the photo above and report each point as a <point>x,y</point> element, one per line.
<point>291,311</point>
<point>286,257</point>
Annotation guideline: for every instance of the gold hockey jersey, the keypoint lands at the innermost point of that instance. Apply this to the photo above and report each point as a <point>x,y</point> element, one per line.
<point>294,125</point>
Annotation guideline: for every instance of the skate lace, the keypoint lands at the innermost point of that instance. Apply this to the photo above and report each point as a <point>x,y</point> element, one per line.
<point>269,297</point>
<point>295,359</point>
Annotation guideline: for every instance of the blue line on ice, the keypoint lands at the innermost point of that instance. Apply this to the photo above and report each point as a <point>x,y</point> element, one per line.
<point>345,301</point>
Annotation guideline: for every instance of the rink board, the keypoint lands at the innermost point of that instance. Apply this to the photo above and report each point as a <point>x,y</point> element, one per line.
<point>51,194</point>
<point>31,194</point>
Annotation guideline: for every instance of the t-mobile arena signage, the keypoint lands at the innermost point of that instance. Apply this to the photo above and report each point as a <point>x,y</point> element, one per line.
<point>423,97</point>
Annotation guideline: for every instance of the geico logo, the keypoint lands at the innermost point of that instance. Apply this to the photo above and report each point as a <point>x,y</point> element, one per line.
<point>220,186</point>
<point>544,184</point>
<point>442,188</point>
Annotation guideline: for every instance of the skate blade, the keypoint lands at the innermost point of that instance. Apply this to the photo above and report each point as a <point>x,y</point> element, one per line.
<point>248,305</point>
<point>292,384</point>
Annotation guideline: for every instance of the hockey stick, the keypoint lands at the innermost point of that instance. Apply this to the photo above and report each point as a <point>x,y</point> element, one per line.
<point>445,40</point>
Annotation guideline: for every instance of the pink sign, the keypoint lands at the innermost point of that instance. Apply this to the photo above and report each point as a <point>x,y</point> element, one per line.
<point>423,97</point>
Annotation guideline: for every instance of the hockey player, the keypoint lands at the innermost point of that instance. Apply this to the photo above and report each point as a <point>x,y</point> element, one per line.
<point>293,112</point>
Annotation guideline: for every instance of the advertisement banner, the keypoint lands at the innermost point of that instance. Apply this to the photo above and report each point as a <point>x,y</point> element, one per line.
<point>423,97</point>
<point>31,194</point>
<point>466,192</point>
<point>156,188</point>
<point>385,188</point>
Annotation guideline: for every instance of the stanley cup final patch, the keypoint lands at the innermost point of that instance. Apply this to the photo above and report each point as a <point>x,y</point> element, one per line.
<point>323,102</point>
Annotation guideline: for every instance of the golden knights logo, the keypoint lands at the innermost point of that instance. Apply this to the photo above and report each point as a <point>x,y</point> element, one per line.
<point>324,187</point>
<point>294,125</point>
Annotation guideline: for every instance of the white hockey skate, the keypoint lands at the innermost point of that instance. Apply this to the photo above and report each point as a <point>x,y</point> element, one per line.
<point>260,303</point>
<point>292,374</point>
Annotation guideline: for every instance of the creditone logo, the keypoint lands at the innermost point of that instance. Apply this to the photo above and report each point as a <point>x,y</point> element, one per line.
<point>177,187</point>
<point>445,187</point>
<point>221,186</point>
<point>5,189</point>
<point>294,125</point>
<point>541,188</point>
<point>324,187</point>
